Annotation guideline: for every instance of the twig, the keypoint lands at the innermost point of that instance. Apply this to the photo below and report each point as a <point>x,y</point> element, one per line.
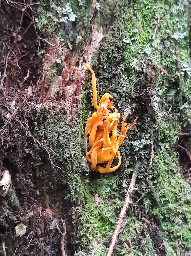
<point>156,28</point>
<point>152,155</point>
<point>161,69</point>
<point>40,144</point>
<point>184,134</point>
<point>4,249</point>
<point>62,242</point>
<point>26,77</point>
<point>53,45</point>
<point>5,71</point>
<point>27,28</point>
<point>126,204</point>
<point>21,6</point>
<point>48,150</point>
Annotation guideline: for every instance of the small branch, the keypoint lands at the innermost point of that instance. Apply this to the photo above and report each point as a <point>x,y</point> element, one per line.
<point>184,134</point>
<point>27,28</point>
<point>5,71</point>
<point>161,69</point>
<point>4,249</point>
<point>126,204</point>
<point>62,242</point>
<point>13,115</point>
<point>53,45</point>
<point>152,155</point>
<point>47,149</point>
<point>156,29</point>
<point>26,77</point>
<point>21,6</point>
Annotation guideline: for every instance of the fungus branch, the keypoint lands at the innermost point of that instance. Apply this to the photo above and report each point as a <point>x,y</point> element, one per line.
<point>126,204</point>
<point>93,86</point>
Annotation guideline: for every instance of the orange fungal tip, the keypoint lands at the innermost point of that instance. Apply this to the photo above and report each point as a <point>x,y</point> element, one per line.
<point>86,66</point>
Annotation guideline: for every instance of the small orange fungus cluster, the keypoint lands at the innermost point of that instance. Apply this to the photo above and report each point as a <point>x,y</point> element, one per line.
<point>101,132</point>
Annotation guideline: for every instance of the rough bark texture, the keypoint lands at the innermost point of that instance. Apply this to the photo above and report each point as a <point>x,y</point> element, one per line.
<point>53,204</point>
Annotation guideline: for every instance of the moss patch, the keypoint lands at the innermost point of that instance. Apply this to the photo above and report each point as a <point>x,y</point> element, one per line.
<point>144,63</point>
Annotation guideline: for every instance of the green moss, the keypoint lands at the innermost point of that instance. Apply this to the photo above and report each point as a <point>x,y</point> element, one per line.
<point>98,213</point>
<point>173,201</point>
<point>99,216</point>
<point>66,19</point>
<point>61,141</point>
<point>143,41</point>
<point>134,44</point>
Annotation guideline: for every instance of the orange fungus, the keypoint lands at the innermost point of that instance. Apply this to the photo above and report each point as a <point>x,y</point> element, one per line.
<point>101,132</point>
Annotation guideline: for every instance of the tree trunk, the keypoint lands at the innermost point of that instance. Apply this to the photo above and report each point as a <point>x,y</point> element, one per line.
<point>51,202</point>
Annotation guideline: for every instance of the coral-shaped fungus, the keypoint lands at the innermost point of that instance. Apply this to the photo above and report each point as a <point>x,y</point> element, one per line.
<point>101,132</point>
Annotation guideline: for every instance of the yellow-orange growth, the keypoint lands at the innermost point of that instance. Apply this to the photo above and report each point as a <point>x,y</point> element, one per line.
<point>101,132</point>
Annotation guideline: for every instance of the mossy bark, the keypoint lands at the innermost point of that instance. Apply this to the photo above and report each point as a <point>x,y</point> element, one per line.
<point>140,55</point>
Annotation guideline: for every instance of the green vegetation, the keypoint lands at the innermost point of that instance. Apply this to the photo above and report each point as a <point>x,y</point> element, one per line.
<point>146,42</point>
<point>66,19</point>
<point>143,61</point>
<point>172,196</point>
